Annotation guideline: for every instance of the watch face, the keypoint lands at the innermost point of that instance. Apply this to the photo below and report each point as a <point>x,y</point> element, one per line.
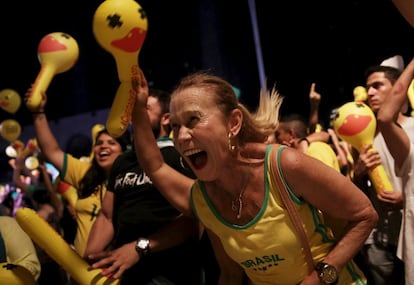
<point>143,243</point>
<point>329,274</point>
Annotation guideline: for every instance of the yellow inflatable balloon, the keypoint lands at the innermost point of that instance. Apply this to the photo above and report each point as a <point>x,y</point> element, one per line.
<point>360,94</point>
<point>31,163</point>
<point>10,100</point>
<point>355,123</point>
<point>57,53</point>
<point>57,248</point>
<point>120,27</point>
<point>410,94</point>
<point>10,130</point>
<point>11,274</point>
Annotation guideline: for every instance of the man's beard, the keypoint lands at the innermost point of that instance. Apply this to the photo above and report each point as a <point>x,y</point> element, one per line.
<point>156,131</point>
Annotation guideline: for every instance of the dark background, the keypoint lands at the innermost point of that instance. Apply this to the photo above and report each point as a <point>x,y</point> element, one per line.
<point>327,42</point>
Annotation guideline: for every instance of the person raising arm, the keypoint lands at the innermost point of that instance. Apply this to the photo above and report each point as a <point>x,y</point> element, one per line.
<point>235,197</point>
<point>402,150</point>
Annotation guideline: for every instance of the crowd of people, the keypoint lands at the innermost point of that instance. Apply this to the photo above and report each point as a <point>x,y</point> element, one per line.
<point>202,191</point>
<point>147,203</point>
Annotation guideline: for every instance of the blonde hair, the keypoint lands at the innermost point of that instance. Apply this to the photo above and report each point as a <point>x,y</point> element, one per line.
<point>267,113</point>
<point>256,126</point>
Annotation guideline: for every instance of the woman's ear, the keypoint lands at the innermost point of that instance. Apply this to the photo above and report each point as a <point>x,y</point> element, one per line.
<point>235,121</point>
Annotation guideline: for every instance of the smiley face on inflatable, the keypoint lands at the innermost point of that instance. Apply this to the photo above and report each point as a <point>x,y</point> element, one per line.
<point>10,130</point>
<point>355,123</point>
<point>9,100</point>
<point>120,27</point>
<point>58,50</point>
<point>57,53</point>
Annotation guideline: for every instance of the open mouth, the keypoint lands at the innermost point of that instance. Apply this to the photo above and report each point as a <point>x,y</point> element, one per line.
<point>198,158</point>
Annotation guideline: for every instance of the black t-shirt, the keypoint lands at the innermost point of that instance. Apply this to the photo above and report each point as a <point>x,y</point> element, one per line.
<point>140,210</point>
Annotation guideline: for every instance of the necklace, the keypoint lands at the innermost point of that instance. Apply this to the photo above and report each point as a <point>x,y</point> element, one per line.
<point>239,200</point>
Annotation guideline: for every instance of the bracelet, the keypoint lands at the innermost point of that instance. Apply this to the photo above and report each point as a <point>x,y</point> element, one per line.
<point>304,139</point>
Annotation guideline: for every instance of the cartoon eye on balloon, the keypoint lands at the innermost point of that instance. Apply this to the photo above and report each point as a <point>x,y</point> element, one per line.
<point>10,100</point>
<point>10,130</point>
<point>355,123</point>
<point>120,27</point>
<point>57,53</point>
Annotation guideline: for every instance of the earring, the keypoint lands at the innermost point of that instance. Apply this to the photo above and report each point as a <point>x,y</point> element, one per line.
<point>231,147</point>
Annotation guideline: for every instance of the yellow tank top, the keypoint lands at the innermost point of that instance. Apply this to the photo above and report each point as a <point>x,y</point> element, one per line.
<point>268,248</point>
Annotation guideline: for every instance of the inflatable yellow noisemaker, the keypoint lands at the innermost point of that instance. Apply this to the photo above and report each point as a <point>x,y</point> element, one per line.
<point>120,27</point>
<point>11,274</point>
<point>59,250</point>
<point>355,123</point>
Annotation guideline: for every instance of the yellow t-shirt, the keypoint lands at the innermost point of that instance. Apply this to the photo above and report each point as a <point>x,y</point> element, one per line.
<point>87,209</point>
<point>268,247</point>
<point>324,153</point>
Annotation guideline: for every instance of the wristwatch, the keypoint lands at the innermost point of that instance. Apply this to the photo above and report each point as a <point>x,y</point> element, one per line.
<point>327,273</point>
<point>142,246</point>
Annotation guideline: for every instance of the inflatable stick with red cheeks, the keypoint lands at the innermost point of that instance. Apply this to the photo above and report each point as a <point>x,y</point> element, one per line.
<point>120,27</point>
<point>57,53</point>
<point>355,123</point>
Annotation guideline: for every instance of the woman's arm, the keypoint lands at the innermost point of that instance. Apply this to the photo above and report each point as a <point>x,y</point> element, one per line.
<point>334,194</point>
<point>173,185</point>
<point>171,235</point>
<point>44,136</point>
<point>102,231</point>
<point>406,9</point>
<point>314,101</point>
<point>397,140</point>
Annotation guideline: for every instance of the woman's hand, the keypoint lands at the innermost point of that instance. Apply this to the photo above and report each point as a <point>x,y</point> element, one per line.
<point>115,262</point>
<point>140,86</point>
<point>41,107</point>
